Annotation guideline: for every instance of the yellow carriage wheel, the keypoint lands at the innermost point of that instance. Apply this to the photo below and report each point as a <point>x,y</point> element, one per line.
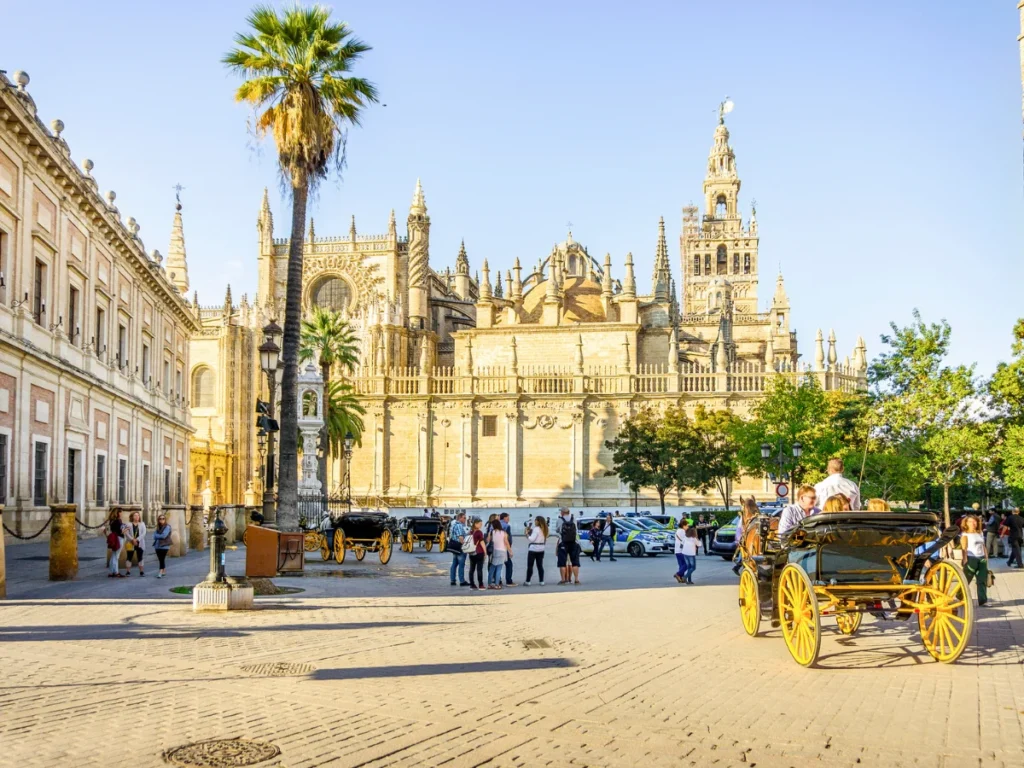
<point>339,546</point>
<point>849,622</point>
<point>311,541</point>
<point>325,550</point>
<point>946,616</point>
<point>360,553</point>
<point>410,542</point>
<point>798,610</point>
<point>442,542</point>
<point>384,550</point>
<point>245,535</point>
<point>750,606</point>
<point>428,544</point>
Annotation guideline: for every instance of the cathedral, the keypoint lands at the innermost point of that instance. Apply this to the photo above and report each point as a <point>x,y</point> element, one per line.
<point>501,388</point>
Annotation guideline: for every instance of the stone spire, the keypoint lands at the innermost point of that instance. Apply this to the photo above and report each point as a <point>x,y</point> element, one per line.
<point>721,358</point>
<point>515,356</point>
<point>579,353</point>
<point>722,183</point>
<point>177,265</point>
<point>499,292</point>
<point>833,358</point>
<point>469,356</point>
<point>485,282</point>
<point>673,350</point>
<point>265,221</point>
<point>419,258</point>
<point>625,353</point>
<point>311,236</point>
<point>606,276</point>
<point>629,283</point>
<point>392,226</point>
<point>508,283</point>
<point>352,229</point>
<point>228,304</point>
<point>769,350</point>
<point>819,351</point>
<point>462,260</point>
<point>517,282</point>
<point>661,279</point>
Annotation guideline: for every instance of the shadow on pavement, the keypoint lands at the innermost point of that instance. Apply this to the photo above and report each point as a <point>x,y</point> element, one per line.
<point>416,670</point>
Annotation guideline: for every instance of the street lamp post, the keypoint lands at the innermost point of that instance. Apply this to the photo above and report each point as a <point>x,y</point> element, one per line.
<point>348,469</point>
<point>781,460</point>
<point>270,355</point>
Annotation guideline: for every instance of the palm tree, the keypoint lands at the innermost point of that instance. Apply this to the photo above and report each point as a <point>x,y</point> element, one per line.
<point>296,67</point>
<point>327,335</point>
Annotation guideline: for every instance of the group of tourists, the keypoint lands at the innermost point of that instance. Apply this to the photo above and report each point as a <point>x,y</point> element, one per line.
<point>131,538</point>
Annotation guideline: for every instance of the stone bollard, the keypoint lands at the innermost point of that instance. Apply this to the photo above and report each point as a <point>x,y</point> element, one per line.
<point>197,529</point>
<point>3,558</point>
<point>63,543</point>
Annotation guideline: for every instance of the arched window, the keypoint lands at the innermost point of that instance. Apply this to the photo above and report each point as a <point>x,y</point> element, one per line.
<point>707,263</point>
<point>735,263</point>
<point>204,388</point>
<point>696,264</point>
<point>723,260</point>
<point>746,263</point>
<point>332,293</point>
<point>721,208</point>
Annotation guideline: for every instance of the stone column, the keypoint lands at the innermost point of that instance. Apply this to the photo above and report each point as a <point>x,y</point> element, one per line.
<point>175,514</point>
<point>63,543</point>
<point>3,558</point>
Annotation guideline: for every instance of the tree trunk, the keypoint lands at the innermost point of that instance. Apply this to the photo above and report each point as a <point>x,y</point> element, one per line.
<point>325,445</point>
<point>288,477</point>
<point>945,500</point>
<point>661,495</point>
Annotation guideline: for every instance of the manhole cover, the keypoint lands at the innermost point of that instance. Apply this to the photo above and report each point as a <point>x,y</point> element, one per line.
<point>278,669</point>
<point>536,643</point>
<point>222,753</point>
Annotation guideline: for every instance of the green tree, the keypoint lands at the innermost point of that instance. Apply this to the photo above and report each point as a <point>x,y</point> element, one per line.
<point>798,411</point>
<point>715,451</point>
<point>327,336</point>
<point>296,67</point>
<point>646,452</point>
<point>886,473</point>
<point>1007,392</point>
<point>929,411</point>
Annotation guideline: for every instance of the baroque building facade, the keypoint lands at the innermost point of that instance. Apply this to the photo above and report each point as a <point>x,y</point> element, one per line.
<point>94,338</point>
<point>503,388</point>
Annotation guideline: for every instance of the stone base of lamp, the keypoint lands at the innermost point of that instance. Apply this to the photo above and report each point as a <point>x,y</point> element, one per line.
<point>229,595</point>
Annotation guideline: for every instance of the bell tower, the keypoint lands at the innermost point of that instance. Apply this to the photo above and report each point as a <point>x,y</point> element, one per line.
<point>719,245</point>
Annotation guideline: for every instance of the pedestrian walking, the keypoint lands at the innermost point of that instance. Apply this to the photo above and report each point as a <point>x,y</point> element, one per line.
<point>456,533</point>
<point>568,550</point>
<point>115,540</point>
<point>690,546</point>
<point>499,554</point>
<point>507,527</point>
<point>608,534</point>
<point>680,537</point>
<point>596,536</point>
<point>476,558</point>
<point>162,543</point>
<point>992,533</point>
<point>1015,537</point>
<point>975,556</point>
<point>134,543</point>
<point>537,539</point>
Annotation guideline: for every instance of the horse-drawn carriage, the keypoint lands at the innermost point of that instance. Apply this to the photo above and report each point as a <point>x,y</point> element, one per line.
<point>424,530</point>
<point>361,532</point>
<point>846,564</point>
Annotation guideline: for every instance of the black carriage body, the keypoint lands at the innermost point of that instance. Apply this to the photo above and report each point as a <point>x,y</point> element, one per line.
<point>421,527</point>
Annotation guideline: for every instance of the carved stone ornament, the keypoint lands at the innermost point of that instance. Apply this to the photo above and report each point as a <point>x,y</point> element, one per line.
<point>350,267</point>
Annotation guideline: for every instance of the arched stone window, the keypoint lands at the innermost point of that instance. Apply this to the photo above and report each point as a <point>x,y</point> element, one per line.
<point>332,293</point>
<point>721,207</point>
<point>696,264</point>
<point>723,261</point>
<point>204,387</point>
<point>735,263</point>
<point>707,263</point>
<point>746,263</point>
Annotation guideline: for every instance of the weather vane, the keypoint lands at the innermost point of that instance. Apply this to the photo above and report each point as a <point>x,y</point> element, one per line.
<point>724,109</point>
<point>177,193</point>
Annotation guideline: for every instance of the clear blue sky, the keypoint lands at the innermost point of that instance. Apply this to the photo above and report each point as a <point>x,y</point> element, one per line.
<point>882,141</point>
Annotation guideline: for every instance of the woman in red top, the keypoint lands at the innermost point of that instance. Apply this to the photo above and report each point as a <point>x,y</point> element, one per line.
<point>476,557</point>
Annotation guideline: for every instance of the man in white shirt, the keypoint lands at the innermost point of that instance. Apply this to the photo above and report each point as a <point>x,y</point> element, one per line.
<point>836,483</point>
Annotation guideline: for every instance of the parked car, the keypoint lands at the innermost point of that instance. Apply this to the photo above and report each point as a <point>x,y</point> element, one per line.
<point>636,539</point>
<point>669,522</point>
<point>724,543</point>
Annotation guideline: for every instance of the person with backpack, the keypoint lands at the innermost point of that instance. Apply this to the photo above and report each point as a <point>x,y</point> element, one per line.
<point>568,549</point>
<point>162,543</point>
<point>456,533</point>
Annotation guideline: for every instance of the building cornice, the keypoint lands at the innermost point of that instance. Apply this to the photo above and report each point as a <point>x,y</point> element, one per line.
<point>48,153</point>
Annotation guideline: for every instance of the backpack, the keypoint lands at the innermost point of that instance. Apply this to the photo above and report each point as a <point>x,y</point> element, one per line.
<point>568,532</point>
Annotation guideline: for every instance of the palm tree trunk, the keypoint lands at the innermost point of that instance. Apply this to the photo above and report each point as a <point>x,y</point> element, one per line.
<point>288,480</point>
<point>325,445</point>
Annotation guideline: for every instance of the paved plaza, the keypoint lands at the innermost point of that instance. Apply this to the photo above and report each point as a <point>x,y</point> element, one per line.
<point>391,666</point>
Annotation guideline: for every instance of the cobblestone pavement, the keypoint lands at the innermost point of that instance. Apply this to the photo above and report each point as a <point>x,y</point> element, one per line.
<point>405,670</point>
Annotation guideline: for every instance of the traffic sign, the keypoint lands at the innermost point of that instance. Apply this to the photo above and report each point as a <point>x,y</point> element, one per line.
<point>781,490</point>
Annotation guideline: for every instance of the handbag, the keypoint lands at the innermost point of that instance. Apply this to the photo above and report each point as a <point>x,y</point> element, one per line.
<point>991,580</point>
<point>129,547</point>
<point>113,541</point>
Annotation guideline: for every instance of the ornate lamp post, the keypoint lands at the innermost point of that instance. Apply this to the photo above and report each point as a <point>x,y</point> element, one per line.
<point>781,460</point>
<point>270,356</point>
<point>349,439</point>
